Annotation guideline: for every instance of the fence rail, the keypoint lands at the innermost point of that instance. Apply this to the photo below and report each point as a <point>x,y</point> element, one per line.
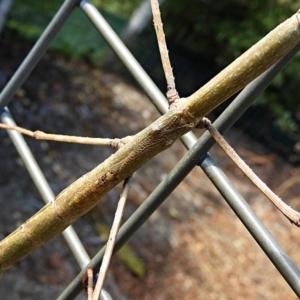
<point>197,154</point>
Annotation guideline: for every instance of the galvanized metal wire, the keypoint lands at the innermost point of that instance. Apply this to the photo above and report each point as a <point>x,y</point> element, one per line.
<point>186,164</point>
<point>139,74</point>
<point>37,52</point>
<point>196,155</point>
<point>43,187</point>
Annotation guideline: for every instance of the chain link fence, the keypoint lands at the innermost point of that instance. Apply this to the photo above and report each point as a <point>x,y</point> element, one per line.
<point>196,157</point>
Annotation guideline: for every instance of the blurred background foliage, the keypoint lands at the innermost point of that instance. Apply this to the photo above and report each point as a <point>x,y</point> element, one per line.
<point>223,30</point>
<point>121,8</point>
<point>216,31</point>
<point>77,38</point>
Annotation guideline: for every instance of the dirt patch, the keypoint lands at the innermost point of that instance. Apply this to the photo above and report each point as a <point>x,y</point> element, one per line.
<point>193,247</point>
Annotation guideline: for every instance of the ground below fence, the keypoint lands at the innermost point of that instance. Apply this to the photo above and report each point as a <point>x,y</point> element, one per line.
<point>193,247</point>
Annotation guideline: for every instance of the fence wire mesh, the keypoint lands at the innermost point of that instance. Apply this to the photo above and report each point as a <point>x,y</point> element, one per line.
<point>197,154</point>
